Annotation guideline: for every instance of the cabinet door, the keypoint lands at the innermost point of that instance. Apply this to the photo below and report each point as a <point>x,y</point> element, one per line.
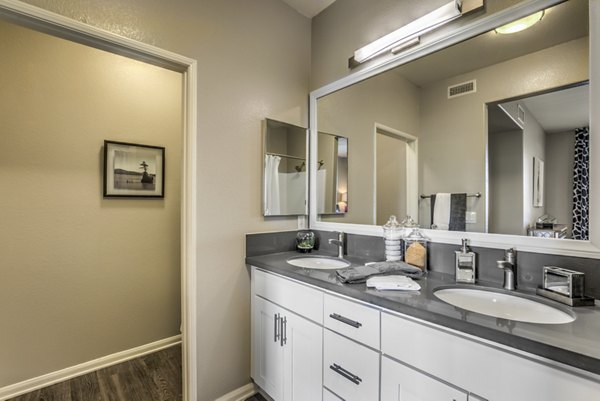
<point>401,383</point>
<point>303,351</point>
<point>267,352</point>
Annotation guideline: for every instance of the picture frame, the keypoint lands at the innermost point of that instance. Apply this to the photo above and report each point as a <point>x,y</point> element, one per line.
<point>538,182</point>
<point>133,170</point>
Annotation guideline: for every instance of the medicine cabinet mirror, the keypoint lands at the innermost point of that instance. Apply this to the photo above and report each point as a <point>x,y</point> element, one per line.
<point>478,119</point>
<point>284,169</point>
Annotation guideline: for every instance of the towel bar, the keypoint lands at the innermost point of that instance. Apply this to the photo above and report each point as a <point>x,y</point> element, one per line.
<point>476,195</point>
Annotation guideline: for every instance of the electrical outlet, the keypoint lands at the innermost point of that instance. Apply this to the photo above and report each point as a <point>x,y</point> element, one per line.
<point>471,217</point>
<point>302,222</point>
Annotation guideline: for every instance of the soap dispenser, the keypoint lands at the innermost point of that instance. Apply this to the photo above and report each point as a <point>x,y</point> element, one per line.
<point>466,264</point>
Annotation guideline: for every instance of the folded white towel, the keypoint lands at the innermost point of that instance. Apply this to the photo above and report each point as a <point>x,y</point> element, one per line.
<point>398,283</point>
<point>441,211</point>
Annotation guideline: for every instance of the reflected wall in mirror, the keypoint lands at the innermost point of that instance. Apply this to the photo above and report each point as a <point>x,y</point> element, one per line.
<point>284,169</point>
<point>332,174</point>
<point>441,100</point>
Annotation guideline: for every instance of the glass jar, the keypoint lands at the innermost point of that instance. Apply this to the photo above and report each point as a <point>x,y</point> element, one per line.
<point>392,235</point>
<point>415,249</point>
<point>305,241</point>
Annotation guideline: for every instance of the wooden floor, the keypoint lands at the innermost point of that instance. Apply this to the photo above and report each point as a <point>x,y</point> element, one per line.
<point>256,397</point>
<point>154,377</point>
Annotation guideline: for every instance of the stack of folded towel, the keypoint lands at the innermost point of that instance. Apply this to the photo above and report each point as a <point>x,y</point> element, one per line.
<point>360,274</point>
<point>397,283</point>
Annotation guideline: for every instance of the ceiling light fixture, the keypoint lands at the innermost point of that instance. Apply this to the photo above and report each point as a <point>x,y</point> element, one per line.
<point>408,35</point>
<point>520,24</point>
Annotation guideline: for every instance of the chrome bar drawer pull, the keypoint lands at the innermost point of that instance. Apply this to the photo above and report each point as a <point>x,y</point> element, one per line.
<point>283,331</point>
<point>276,334</point>
<point>344,373</point>
<point>343,319</point>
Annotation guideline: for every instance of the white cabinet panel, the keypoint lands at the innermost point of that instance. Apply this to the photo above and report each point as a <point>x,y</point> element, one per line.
<point>401,383</point>
<point>354,320</point>
<point>267,357</point>
<point>303,350</point>
<point>301,299</point>
<point>350,370</point>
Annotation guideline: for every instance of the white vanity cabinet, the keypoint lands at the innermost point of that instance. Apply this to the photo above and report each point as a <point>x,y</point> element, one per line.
<point>491,372</point>
<point>286,347</point>
<point>309,344</point>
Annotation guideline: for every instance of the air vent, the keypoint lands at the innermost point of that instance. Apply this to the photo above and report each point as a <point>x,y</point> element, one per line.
<point>462,89</point>
<point>521,114</point>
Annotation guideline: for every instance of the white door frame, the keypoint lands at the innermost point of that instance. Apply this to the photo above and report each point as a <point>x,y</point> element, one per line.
<point>61,26</point>
<point>412,169</point>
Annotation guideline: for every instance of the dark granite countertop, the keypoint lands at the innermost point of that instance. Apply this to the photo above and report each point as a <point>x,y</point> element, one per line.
<point>576,344</point>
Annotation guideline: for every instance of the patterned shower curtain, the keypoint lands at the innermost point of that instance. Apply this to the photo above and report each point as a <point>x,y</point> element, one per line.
<point>581,184</point>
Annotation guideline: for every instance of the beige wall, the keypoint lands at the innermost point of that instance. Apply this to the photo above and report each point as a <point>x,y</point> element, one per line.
<point>82,276</point>
<point>505,182</point>
<point>534,146</point>
<point>253,62</point>
<point>387,99</point>
<point>560,154</point>
<point>453,130</point>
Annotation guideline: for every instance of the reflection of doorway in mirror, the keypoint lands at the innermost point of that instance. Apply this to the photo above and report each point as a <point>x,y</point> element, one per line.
<point>538,182</point>
<point>396,177</point>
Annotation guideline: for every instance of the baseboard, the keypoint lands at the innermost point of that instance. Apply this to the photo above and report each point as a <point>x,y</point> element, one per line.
<point>35,383</point>
<point>239,394</point>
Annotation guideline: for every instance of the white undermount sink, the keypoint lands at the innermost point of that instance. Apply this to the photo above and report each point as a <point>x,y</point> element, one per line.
<point>318,262</point>
<point>503,305</point>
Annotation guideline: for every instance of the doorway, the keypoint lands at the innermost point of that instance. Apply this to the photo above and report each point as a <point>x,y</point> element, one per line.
<point>396,174</point>
<point>79,158</point>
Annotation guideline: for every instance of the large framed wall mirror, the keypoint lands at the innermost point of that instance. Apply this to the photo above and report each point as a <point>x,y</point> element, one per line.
<point>498,124</point>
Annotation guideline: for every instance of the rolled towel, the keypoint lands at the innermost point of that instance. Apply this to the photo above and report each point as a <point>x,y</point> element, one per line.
<point>360,274</point>
<point>393,283</point>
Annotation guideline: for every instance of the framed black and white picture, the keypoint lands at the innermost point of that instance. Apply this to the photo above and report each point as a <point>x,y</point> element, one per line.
<point>133,170</point>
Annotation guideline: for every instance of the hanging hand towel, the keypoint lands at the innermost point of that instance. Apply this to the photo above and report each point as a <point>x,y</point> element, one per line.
<point>448,211</point>
<point>458,212</point>
<point>441,211</point>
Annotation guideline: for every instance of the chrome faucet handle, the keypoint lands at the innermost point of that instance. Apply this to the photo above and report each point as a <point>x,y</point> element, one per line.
<point>510,255</point>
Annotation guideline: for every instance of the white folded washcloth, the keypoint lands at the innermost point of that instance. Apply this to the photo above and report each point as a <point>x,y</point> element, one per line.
<point>398,283</point>
<point>441,211</point>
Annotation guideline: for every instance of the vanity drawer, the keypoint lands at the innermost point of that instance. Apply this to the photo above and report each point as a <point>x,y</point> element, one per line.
<point>298,298</point>
<point>350,370</point>
<point>351,319</point>
<point>329,396</point>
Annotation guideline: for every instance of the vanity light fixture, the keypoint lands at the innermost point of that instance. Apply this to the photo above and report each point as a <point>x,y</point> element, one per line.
<point>520,24</point>
<point>409,35</point>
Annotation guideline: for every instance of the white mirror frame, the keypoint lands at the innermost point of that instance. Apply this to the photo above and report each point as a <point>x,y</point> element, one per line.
<point>590,248</point>
<point>58,25</point>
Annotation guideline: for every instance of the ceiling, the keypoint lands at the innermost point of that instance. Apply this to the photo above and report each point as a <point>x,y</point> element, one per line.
<point>561,23</point>
<point>309,8</point>
<point>560,111</point>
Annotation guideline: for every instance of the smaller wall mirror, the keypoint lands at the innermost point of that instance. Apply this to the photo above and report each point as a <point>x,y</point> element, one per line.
<point>284,169</point>
<point>332,174</point>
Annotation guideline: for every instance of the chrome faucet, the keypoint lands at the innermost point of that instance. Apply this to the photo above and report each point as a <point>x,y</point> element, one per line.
<point>509,265</point>
<point>340,244</point>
